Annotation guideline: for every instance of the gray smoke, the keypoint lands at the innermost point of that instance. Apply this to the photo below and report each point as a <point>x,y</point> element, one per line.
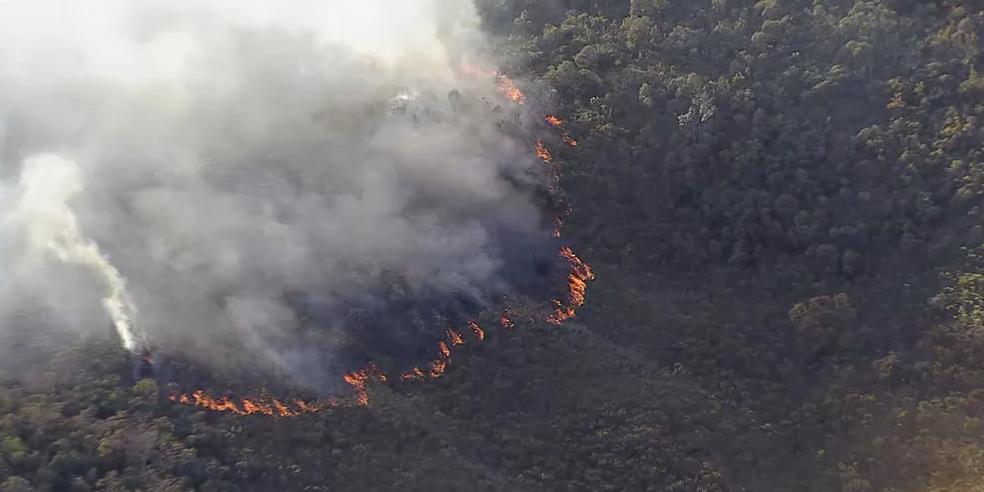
<point>187,164</point>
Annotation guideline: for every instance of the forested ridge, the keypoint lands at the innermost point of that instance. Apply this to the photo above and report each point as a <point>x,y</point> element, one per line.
<point>782,202</point>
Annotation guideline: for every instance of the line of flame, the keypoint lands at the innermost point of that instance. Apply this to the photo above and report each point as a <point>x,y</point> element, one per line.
<point>358,380</point>
<point>543,152</point>
<point>558,123</point>
<point>580,274</point>
<point>577,284</point>
<point>248,406</point>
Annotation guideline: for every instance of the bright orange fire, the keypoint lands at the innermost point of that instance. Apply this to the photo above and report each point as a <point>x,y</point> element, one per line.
<point>505,85</point>
<point>508,88</point>
<point>246,406</point>
<point>358,380</point>
<point>543,152</point>
<point>577,285</point>
<point>455,337</point>
<point>580,274</point>
<point>559,124</point>
<point>414,374</point>
<point>479,332</point>
<point>438,367</point>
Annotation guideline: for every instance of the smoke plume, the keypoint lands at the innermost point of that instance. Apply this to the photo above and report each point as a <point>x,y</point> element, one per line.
<point>47,182</point>
<point>253,183</point>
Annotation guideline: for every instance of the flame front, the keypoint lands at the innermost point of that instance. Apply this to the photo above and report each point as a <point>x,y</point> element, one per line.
<point>455,337</point>
<point>414,374</point>
<point>249,406</point>
<point>577,282</point>
<point>505,85</point>
<point>543,152</point>
<point>477,330</point>
<point>508,88</point>
<point>559,124</point>
<point>577,286</point>
<point>358,380</point>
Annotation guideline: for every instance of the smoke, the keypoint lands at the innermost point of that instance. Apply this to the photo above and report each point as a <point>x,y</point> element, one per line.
<point>47,182</point>
<point>242,182</point>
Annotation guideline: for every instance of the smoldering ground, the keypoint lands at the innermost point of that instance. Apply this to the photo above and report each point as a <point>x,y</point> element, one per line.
<point>265,181</point>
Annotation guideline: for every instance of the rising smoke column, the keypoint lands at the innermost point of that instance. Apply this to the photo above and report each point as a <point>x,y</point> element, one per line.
<point>47,184</point>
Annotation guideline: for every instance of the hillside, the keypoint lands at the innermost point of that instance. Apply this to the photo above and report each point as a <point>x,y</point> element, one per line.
<point>782,202</point>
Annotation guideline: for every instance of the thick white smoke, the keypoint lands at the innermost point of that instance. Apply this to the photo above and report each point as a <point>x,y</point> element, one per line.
<point>42,214</point>
<point>234,154</point>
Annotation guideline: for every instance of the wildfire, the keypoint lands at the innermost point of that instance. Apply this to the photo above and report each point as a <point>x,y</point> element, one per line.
<point>445,351</point>
<point>479,332</point>
<point>559,124</point>
<point>438,367</point>
<point>577,286</point>
<point>582,269</point>
<point>578,278</point>
<point>543,152</point>
<point>246,406</point>
<point>358,380</point>
<point>505,85</point>
<point>577,281</point>
<point>455,337</point>
<point>414,374</point>
<point>508,88</point>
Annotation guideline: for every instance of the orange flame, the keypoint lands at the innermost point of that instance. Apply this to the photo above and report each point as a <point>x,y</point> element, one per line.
<point>358,380</point>
<point>271,408</point>
<point>559,124</point>
<point>508,88</point>
<point>455,337</point>
<point>414,374</point>
<point>580,274</point>
<point>505,85</point>
<point>438,367</point>
<point>577,286</point>
<point>582,269</point>
<point>542,152</point>
<point>479,332</point>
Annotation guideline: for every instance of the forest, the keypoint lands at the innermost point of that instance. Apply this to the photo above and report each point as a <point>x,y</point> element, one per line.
<point>783,202</point>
